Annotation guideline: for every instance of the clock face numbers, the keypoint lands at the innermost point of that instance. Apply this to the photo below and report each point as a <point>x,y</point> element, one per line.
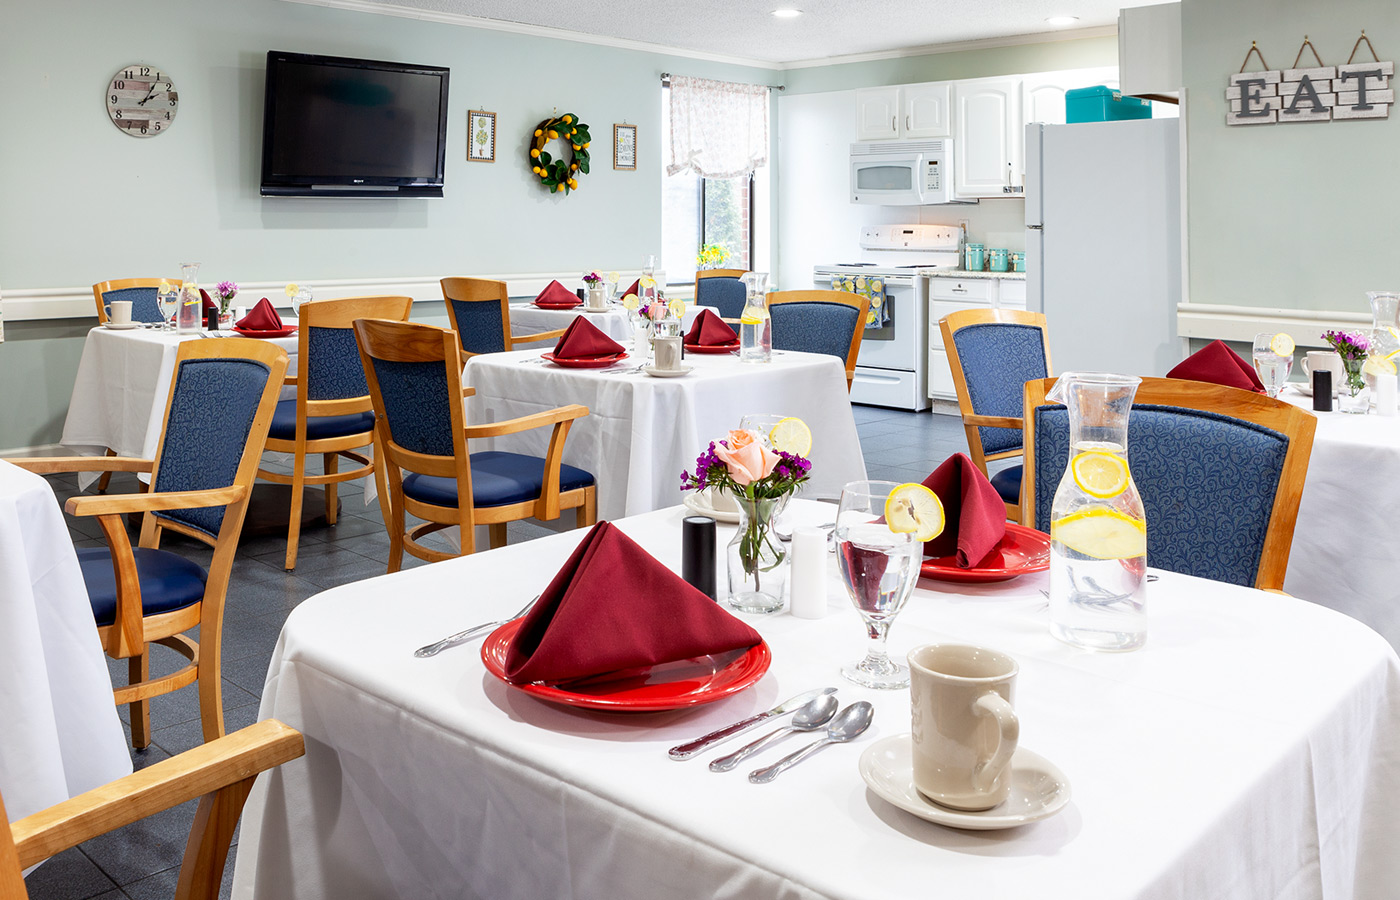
<point>142,101</point>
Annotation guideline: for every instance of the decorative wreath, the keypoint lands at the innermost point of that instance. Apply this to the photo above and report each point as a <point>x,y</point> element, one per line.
<point>557,174</point>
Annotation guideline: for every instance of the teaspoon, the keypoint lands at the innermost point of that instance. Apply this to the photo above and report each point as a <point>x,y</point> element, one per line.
<point>812,717</point>
<point>848,725</point>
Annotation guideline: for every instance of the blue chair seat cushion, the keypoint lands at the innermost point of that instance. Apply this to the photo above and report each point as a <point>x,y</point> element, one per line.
<point>168,581</point>
<point>498,479</point>
<point>284,424</point>
<point>1008,484</point>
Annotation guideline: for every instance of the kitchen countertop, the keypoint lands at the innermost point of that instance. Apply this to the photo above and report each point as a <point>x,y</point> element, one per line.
<point>963,273</point>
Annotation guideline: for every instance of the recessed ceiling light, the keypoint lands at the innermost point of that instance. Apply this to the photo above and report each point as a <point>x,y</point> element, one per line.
<point>787,13</point>
<point>1062,21</point>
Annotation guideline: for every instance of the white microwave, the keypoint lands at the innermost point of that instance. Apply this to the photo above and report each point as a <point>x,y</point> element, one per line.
<point>902,173</point>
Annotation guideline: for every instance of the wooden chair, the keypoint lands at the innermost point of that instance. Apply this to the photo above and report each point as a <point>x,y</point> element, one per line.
<point>480,314</point>
<point>993,353</point>
<point>331,413</point>
<point>831,322</point>
<point>216,421</point>
<point>722,290</point>
<point>145,307</point>
<point>220,774</point>
<point>414,374</point>
<point>1220,471</point>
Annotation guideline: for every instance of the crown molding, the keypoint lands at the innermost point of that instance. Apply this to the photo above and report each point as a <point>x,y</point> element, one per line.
<point>1014,40</point>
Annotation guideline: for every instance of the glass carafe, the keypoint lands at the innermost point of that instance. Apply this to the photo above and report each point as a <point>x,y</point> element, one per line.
<point>191,310</point>
<point>755,326</point>
<point>1098,532</point>
<point>1385,324</point>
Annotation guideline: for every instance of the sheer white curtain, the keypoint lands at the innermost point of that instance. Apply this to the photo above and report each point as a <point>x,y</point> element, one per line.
<point>719,129</point>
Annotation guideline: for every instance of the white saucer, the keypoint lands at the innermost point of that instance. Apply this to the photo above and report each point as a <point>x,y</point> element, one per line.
<point>1038,789</point>
<point>699,504</point>
<point>667,373</point>
<point>122,326</point>
<point>588,309</point>
<point>1306,389</point>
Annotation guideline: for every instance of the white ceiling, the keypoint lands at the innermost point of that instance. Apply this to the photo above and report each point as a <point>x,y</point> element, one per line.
<point>746,29</point>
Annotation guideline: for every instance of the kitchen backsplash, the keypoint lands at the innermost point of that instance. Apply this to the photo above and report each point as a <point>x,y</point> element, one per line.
<point>995,223</point>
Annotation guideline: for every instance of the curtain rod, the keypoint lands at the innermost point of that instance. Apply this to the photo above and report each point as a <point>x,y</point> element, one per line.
<point>666,82</point>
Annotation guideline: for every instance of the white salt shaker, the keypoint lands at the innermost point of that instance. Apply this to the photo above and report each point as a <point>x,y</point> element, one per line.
<point>1385,395</point>
<point>808,582</point>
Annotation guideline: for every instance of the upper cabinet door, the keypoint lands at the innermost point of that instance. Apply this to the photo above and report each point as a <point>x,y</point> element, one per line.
<point>927,110</point>
<point>988,134</point>
<point>1043,98</point>
<point>877,114</point>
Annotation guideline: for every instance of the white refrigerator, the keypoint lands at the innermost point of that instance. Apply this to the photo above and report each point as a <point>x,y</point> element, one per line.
<point>1103,243</point>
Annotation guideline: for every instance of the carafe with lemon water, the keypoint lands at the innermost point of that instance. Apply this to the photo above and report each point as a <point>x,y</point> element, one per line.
<point>755,326</point>
<point>1098,531</point>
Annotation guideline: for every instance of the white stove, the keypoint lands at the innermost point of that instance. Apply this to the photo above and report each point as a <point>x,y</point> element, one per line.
<point>892,368</point>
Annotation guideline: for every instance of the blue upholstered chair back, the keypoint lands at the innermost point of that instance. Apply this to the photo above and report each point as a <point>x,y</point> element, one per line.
<point>333,370</point>
<point>479,325</point>
<point>415,398</point>
<point>1207,483</point>
<point>998,358</point>
<point>725,294</point>
<point>212,407</point>
<point>145,307</point>
<point>814,326</point>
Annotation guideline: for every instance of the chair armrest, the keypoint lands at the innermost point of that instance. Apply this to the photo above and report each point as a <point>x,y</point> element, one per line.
<point>541,336</point>
<point>290,380</point>
<point>53,465</point>
<point>98,505</point>
<point>526,423</point>
<point>468,391</point>
<point>992,421</point>
<point>195,773</point>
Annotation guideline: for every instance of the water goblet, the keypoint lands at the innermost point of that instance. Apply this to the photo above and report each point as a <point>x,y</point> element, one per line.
<point>168,297</point>
<point>1272,367</point>
<point>303,295</point>
<point>879,568</point>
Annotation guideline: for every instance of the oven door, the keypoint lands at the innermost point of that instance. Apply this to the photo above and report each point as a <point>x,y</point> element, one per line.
<point>896,346</point>
<point>892,180</point>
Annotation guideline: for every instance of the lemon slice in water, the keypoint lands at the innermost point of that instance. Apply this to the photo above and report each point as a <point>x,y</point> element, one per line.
<point>1282,344</point>
<point>1101,534</point>
<point>1099,474</point>
<point>914,509</point>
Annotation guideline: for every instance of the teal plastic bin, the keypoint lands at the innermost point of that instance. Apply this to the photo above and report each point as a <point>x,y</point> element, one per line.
<point>1103,104</point>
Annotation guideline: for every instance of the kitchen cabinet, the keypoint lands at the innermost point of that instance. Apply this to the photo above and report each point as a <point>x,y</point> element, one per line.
<point>904,111</point>
<point>949,293</point>
<point>1149,49</point>
<point>988,138</point>
<point>877,114</point>
<point>1043,95</point>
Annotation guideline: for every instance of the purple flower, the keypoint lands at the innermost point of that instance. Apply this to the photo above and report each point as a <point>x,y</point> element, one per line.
<point>226,290</point>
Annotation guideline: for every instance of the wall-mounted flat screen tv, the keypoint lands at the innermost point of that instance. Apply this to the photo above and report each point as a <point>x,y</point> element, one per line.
<point>340,127</point>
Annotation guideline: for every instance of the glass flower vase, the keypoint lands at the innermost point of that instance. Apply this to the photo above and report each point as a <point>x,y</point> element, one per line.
<point>757,560</point>
<point>1355,398</point>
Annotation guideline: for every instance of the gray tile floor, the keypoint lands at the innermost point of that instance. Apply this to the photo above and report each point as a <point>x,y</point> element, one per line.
<point>142,861</point>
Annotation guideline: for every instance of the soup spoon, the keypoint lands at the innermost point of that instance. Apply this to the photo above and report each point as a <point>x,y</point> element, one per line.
<point>848,725</point>
<point>812,717</point>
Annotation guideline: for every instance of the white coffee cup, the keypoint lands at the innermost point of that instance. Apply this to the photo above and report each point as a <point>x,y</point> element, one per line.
<point>119,312</point>
<point>668,353</point>
<point>1325,361</point>
<point>965,729</point>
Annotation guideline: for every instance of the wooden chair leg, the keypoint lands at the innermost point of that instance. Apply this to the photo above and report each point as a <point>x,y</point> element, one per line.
<point>215,820</point>
<point>587,514</point>
<point>294,519</point>
<point>106,478</point>
<point>138,669</point>
<point>210,685</point>
<point>330,464</point>
<point>396,529</point>
<point>497,532</point>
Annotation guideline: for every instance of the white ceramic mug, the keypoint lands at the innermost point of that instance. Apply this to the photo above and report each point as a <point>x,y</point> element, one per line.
<point>668,353</point>
<point>965,729</point>
<point>119,312</point>
<point>1325,360</point>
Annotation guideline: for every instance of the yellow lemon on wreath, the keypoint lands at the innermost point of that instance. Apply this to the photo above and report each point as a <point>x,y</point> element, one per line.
<point>791,435</point>
<point>1282,344</point>
<point>568,119</point>
<point>1101,533</point>
<point>573,167</point>
<point>534,152</point>
<point>575,146</point>
<point>1100,474</point>
<point>586,143</point>
<point>1376,365</point>
<point>291,289</point>
<point>914,509</point>
<point>553,134</point>
<point>538,132</point>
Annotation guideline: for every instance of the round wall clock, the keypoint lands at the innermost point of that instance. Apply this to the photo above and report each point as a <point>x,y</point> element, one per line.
<point>142,100</point>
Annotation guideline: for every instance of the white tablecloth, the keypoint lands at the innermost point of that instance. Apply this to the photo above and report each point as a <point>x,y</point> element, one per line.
<point>1345,553</point>
<point>1247,751</point>
<point>526,318</point>
<point>641,432</point>
<point>60,734</point>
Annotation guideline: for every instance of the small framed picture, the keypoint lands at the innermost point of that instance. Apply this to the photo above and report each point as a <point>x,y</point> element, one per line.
<point>481,127</point>
<point>624,146</point>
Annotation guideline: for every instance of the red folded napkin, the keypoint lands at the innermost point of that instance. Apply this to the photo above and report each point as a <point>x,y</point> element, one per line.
<point>709,330</point>
<point>976,515</point>
<point>614,606</point>
<point>583,340</point>
<point>208,300</point>
<point>1218,364</point>
<point>555,294</point>
<point>261,318</point>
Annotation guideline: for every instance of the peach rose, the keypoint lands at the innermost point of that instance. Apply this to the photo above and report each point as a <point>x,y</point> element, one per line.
<point>746,459</point>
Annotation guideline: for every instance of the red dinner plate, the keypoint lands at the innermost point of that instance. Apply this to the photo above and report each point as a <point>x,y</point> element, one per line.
<point>557,305</point>
<point>1021,551</point>
<point>278,332</point>
<point>600,362</point>
<point>720,348</point>
<point>673,685</point>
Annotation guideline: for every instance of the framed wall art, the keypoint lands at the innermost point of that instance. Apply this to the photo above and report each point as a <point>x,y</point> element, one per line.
<point>625,147</point>
<point>481,126</point>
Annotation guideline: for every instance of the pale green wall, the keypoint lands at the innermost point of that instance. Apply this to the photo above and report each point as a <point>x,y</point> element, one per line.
<point>1291,216</point>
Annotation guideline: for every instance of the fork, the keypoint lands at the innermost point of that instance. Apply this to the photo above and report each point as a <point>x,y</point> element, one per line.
<point>435,648</point>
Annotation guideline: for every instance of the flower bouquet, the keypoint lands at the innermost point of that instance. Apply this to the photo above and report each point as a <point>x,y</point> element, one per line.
<point>711,256</point>
<point>1353,347</point>
<point>224,292</point>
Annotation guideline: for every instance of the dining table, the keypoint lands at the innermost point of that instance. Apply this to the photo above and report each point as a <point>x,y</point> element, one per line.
<point>642,431</point>
<point>61,734</point>
<point>613,320</point>
<point>1246,751</point>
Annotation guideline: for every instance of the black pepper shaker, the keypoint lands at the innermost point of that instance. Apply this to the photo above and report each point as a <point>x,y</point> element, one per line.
<point>1322,390</point>
<point>698,553</point>
<point>211,319</point>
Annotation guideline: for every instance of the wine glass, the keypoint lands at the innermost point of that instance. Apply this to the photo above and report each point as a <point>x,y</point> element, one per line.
<point>303,295</point>
<point>879,568</point>
<point>168,296</point>
<point>1272,367</point>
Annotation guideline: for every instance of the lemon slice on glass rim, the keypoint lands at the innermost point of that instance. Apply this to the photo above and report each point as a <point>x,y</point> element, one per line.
<point>291,289</point>
<point>1379,365</point>
<point>1101,533</point>
<point>1099,474</point>
<point>1282,344</point>
<point>791,435</point>
<point>914,509</point>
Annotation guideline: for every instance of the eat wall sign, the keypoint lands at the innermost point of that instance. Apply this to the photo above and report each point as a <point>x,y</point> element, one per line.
<point>1318,94</point>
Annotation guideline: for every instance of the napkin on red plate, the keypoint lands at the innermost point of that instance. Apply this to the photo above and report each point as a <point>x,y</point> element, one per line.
<point>635,290</point>
<point>583,340</point>
<point>210,307</point>
<point>614,606</point>
<point>555,294</point>
<point>1218,364</point>
<point>976,515</point>
<point>262,317</point>
<point>709,330</point>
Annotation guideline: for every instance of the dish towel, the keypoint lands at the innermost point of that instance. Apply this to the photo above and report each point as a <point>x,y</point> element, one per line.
<point>1218,364</point>
<point>709,330</point>
<point>262,317</point>
<point>583,340</point>
<point>556,296</point>
<point>614,606</point>
<point>975,513</point>
<point>872,289</point>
